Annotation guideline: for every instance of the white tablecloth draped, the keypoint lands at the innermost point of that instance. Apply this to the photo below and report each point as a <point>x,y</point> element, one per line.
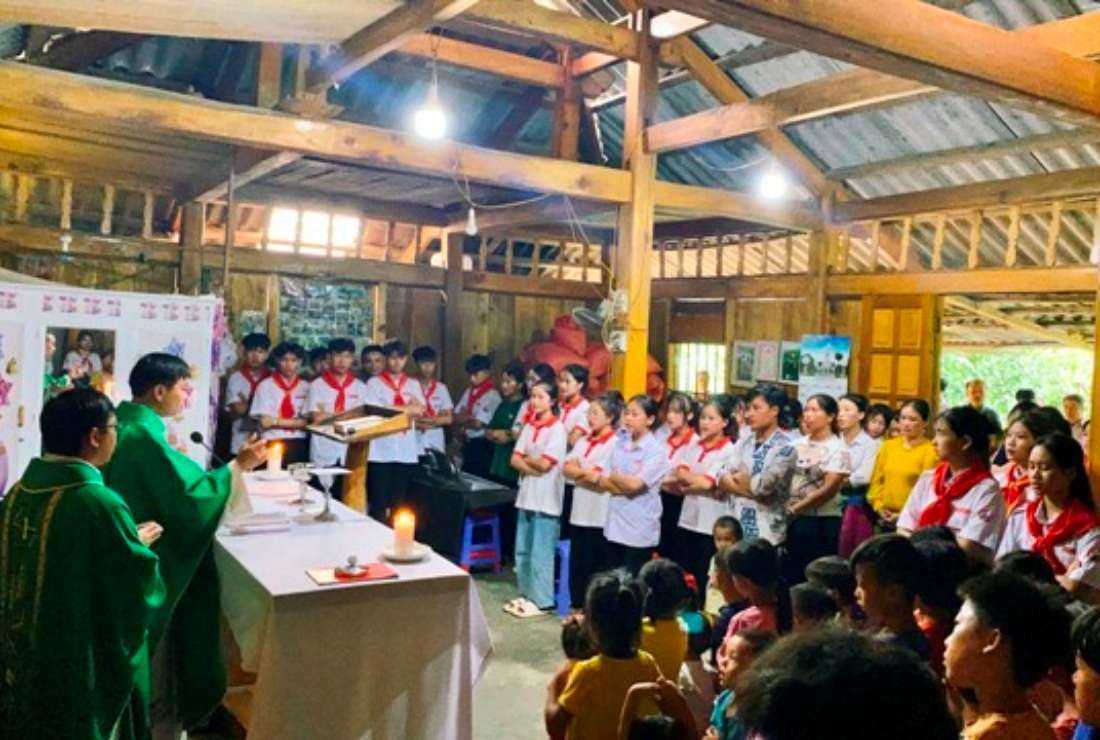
<point>388,659</point>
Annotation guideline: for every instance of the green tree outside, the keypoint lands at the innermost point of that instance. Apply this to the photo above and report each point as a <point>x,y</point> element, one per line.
<point>1050,372</point>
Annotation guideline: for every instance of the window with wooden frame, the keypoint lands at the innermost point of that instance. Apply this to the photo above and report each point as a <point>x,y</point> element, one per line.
<point>698,368</point>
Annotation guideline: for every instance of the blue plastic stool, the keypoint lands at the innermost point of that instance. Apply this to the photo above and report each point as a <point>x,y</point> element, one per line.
<point>480,540</point>
<point>562,601</point>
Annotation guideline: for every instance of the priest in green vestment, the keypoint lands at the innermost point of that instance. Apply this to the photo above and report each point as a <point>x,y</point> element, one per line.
<point>79,587</point>
<point>162,484</point>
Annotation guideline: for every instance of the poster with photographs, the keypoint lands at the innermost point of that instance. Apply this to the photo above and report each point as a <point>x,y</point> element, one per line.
<point>767,361</point>
<point>311,312</point>
<point>789,355</point>
<point>744,363</point>
<point>251,322</point>
<point>823,365</point>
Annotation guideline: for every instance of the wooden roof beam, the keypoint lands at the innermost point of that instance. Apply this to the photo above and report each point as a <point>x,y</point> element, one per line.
<point>487,59</point>
<point>687,202</point>
<point>248,165</point>
<point>387,34</point>
<point>566,28</point>
<point>924,43</point>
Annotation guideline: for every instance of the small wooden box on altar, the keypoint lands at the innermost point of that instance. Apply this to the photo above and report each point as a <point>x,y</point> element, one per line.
<point>357,428</point>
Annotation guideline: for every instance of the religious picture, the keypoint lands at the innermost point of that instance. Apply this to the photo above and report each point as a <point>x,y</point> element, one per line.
<point>790,353</point>
<point>767,361</point>
<point>79,358</point>
<point>823,365</point>
<point>744,363</point>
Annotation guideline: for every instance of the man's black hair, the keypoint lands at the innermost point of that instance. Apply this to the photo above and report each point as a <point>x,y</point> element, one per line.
<point>282,349</point>
<point>395,348</point>
<point>256,340</point>
<point>341,344</point>
<point>157,368</point>
<point>895,561</point>
<point>68,418</point>
<point>478,363</point>
<point>424,353</point>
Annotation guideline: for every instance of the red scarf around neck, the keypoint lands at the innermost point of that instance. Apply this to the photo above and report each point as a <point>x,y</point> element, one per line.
<point>341,387</point>
<point>538,424</point>
<point>1074,521</point>
<point>476,392</point>
<point>395,385</point>
<point>947,492</point>
<point>428,393</point>
<point>568,406</point>
<point>675,443</point>
<point>253,380</point>
<point>1015,488</point>
<point>595,440</point>
<point>286,408</point>
<point>706,449</point>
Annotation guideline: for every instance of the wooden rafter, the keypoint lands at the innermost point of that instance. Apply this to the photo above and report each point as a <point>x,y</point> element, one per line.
<point>1013,322</point>
<point>485,59</point>
<point>387,34</point>
<point>924,43</point>
<point>567,28</point>
<point>248,165</point>
<point>80,49</point>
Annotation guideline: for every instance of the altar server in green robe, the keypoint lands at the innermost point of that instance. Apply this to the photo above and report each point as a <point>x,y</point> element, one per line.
<point>79,587</point>
<point>162,484</point>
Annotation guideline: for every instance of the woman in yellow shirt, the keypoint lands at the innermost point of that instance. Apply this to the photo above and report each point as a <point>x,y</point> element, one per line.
<point>900,462</point>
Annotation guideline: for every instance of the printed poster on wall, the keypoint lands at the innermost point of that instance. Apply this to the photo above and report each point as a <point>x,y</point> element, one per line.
<point>744,363</point>
<point>767,361</point>
<point>823,365</point>
<point>790,353</point>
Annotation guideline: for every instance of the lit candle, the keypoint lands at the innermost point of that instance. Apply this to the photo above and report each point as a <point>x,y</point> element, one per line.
<point>275,458</point>
<point>404,525</point>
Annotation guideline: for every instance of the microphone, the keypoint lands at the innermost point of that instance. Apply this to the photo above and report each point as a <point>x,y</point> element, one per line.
<point>197,438</point>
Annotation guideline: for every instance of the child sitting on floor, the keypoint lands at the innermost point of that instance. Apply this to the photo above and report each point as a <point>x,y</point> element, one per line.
<point>889,575</point>
<point>834,574</point>
<point>743,649</point>
<point>727,532</point>
<point>696,681</point>
<point>584,701</point>
<point>667,595</point>
<point>811,607</point>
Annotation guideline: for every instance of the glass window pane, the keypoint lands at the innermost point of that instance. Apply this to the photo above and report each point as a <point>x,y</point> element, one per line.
<point>283,226</point>
<point>313,251</point>
<point>315,227</point>
<point>345,231</point>
<point>279,247</point>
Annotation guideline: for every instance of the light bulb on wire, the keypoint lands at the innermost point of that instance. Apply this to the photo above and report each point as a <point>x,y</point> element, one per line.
<point>471,222</point>
<point>430,120</point>
<point>772,185</point>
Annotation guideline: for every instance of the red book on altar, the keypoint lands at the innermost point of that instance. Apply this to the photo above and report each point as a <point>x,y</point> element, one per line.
<point>370,572</point>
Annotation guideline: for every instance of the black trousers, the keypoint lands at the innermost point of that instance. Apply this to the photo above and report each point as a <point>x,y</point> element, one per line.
<point>696,550</point>
<point>566,511</point>
<point>387,487</point>
<point>625,556</point>
<point>669,546</point>
<point>808,538</point>
<point>477,456</point>
<point>587,557</point>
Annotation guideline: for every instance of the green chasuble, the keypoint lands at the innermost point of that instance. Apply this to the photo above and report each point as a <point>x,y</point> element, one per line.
<point>78,591</point>
<point>162,484</point>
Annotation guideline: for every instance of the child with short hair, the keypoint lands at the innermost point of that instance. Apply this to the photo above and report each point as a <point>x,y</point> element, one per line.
<point>393,457</point>
<point>726,532</point>
<point>319,361</point>
<point>473,413</point>
<point>1007,635</point>
<point>538,457</point>
<point>938,602</point>
<point>438,408</point>
<point>241,388</point>
<point>667,595</point>
<point>334,391</point>
<point>811,607</point>
<point>372,361</point>
<point>576,640</point>
<point>834,574</point>
<point>696,680</point>
<point>280,402</point>
<point>584,702</point>
<point>590,458</point>
<point>742,651</point>
<point>889,574</point>
<point>633,479</point>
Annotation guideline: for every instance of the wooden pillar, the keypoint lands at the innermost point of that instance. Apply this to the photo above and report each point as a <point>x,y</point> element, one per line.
<point>453,361</point>
<point>192,230</point>
<point>565,138</point>
<point>1093,451</point>
<point>823,244</point>
<point>635,220</point>
<point>269,75</point>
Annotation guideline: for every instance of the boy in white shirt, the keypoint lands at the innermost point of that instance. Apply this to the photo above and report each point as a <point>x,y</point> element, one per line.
<point>242,385</point>
<point>371,361</point>
<point>334,391</point>
<point>438,407</point>
<point>394,456</point>
<point>474,412</point>
<point>280,403</point>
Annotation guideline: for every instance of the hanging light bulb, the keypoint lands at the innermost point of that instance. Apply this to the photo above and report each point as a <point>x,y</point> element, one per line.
<point>772,185</point>
<point>471,222</point>
<point>430,120</point>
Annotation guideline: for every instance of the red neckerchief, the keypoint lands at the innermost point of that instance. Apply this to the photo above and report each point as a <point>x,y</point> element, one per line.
<point>474,394</point>
<point>947,492</point>
<point>528,415</point>
<point>706,450</point>
<point>385,377</point>
<point>428,392</point>
<point>253,381</point>
<point>286,408</point>
<point>674,445</point>
<point>595,441</point>
<point>539,424</point>
<point>340,387</point>
<point>1074,521</point>
<point>567,407</point>
<point>1015,488</point>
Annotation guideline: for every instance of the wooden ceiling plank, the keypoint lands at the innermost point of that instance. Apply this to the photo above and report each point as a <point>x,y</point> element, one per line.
<point>497,62</point>
<point>617,41</point>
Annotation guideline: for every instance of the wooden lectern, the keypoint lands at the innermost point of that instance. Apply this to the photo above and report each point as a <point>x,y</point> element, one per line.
<point>391,420</point>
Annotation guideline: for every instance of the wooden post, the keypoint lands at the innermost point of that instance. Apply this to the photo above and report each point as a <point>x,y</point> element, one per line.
<point>269,75</point>
<point>23,185</point>
<point>937,242</point>
<point>822,244</point>
<point>105,225</point>
<point>1054,233</point>
<point>66,205</point>
<point>453,361</point>
<point>147,215</point>
<point>975,240</point>
<point>1013,236</point>
<point>632,256</point>
<point>192,228</point>
<point>1094,412</point>
<point>565,137</point>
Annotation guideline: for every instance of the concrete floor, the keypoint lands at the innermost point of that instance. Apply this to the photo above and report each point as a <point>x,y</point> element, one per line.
<point>509,699</point>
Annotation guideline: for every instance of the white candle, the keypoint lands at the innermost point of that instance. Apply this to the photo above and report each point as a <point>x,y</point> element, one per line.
<point>404,526</point>
<point>275,458</point>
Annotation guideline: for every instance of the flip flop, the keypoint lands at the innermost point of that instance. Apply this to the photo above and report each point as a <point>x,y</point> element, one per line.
<point>528,610</point>
<point>513,607</point>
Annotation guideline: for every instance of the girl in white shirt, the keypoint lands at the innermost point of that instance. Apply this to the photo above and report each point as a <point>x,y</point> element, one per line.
<point>572,385</point>
<point>538,457</point>
<point>585,463</point>
<point>960,492</point>
<point>857,519</point>
<point>696,476</point>
<point>676,436</point>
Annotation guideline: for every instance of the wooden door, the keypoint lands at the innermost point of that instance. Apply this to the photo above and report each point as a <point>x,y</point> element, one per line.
<point>899,354</point>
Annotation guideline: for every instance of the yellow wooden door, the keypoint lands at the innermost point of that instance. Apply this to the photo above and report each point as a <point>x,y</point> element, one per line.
<point>899,354</point>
